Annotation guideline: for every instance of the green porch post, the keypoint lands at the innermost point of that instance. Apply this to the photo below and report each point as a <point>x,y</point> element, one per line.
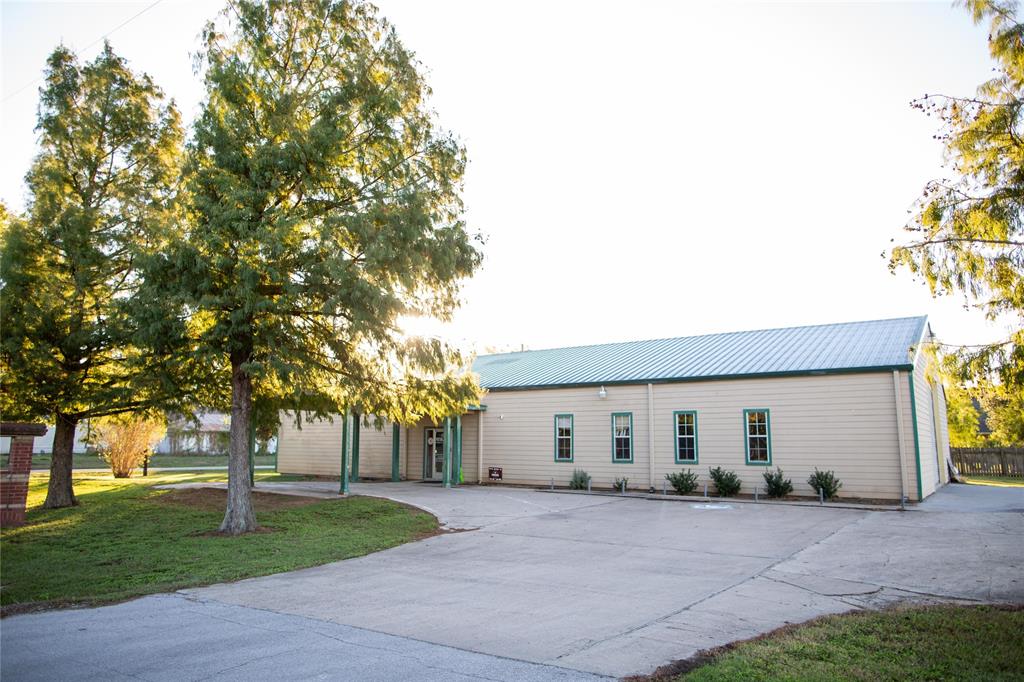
<point>447,474</point>
<point>458,449</point>
<point>355,446</point>
<point>343,476</point>
<point>396,432</point>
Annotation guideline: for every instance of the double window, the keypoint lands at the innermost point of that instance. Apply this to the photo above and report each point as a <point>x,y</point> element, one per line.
<point>758,436</point>
<point>622,436</point>
<point>686,436</point>
<point>563,437</point>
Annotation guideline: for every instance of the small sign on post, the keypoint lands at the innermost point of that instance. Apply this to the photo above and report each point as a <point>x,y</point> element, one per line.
<point>494,473</point>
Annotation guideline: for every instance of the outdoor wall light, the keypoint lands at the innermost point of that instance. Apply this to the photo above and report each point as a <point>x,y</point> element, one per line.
<point>602,394</point>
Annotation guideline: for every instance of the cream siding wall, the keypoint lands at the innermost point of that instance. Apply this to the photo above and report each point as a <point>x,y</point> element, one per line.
<point>519,432</point>
<point>315,449</point>
<point>470,423</point>
<point>846,423</point>
<point>910,461</point>
<point>842,422</point>
<point>414,452</point>
<point>929,430</point>
<point>374,450</point>
<point>942,423</point>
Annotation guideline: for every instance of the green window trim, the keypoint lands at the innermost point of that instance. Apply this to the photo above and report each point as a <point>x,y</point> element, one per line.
<point>747,435</point>
<point>572,438</point>
<point>675,436</point>
<point>622,460</point>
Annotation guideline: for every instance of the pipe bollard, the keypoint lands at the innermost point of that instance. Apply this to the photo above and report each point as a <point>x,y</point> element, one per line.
<point>623,487</point>
<point>755,494</point>
<point>552,484</point>
<point>821,496</point>
<point>588,484</point>
<point>664,487</point>
<point>705,491</point>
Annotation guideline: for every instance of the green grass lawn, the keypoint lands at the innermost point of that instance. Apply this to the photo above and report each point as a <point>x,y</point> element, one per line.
<point>127,539</point>
<point>87,461</point>
<point>1000,481</point>
<point>929,643</point>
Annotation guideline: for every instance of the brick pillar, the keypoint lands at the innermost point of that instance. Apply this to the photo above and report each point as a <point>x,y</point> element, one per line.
<point>14,479</point>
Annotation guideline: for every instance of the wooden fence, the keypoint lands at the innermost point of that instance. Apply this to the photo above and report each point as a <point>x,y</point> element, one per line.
<point>989,461</point>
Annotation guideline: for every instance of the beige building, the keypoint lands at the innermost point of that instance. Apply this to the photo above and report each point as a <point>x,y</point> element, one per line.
<point>856,398</point>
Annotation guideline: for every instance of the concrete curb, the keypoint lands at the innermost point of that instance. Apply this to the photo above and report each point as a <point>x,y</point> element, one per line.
<point>729,500</point>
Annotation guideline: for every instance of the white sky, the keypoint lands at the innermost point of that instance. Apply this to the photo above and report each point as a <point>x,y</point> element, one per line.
<point>641,170</point>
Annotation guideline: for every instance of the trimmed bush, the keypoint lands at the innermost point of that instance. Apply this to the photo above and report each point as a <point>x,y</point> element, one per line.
<point>727,483</point>
<point>125,441</point>
<point>579,480</point>
<point>684,482</point>
<point>825,483</point>
<point>621,483</point>
<point>776,484</point>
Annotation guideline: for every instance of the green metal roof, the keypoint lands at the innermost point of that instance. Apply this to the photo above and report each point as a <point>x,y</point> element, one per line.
<point>820,349</point>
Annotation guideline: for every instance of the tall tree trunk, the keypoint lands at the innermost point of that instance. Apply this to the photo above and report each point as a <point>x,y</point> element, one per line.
<point>59,492</point>
<point>239,517</point>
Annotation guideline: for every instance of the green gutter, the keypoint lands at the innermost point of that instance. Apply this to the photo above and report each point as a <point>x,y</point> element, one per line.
<point>717,377</point>
<point>917,445</point>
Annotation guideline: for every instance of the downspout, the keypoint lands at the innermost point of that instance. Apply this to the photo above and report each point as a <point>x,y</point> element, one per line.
<point>480,447</point>
<point>650,436</point>
<point>900,434</point>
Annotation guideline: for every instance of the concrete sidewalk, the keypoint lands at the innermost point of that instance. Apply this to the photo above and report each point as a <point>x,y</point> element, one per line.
<point>171,637</point>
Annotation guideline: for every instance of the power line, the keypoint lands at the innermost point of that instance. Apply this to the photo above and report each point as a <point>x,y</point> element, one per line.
<point>102,37</point>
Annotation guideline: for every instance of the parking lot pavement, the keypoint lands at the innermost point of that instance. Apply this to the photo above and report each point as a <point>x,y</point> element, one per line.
<point>615,585</point>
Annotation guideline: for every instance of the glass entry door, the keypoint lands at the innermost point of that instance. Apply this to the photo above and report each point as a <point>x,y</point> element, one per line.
<point>434,454</point>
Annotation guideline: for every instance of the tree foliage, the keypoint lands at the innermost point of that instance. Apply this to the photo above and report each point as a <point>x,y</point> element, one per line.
<point>1004,413</point>
<point>961,416</point>
<point>968,230</point>
<point>101,194</point>
<point>324,203</point>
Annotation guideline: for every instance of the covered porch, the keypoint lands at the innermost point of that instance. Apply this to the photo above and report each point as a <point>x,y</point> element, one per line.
<point>358,448</point>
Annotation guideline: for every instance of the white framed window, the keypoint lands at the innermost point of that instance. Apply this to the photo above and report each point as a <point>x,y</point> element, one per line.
<point>563,438</point>
<point>686,436</point>
<point>757,423</point>
<point>622,436</point>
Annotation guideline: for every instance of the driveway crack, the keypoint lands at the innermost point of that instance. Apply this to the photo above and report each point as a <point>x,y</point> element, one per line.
<point>705,598</point>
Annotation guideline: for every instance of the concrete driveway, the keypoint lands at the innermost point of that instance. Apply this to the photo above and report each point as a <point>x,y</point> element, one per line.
<point>595,584</point>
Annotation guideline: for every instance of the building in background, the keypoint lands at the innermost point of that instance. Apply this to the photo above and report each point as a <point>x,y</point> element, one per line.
<point>857,398</point>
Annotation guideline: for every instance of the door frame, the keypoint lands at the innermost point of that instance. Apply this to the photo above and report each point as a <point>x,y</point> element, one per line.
<point>429,472</point>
